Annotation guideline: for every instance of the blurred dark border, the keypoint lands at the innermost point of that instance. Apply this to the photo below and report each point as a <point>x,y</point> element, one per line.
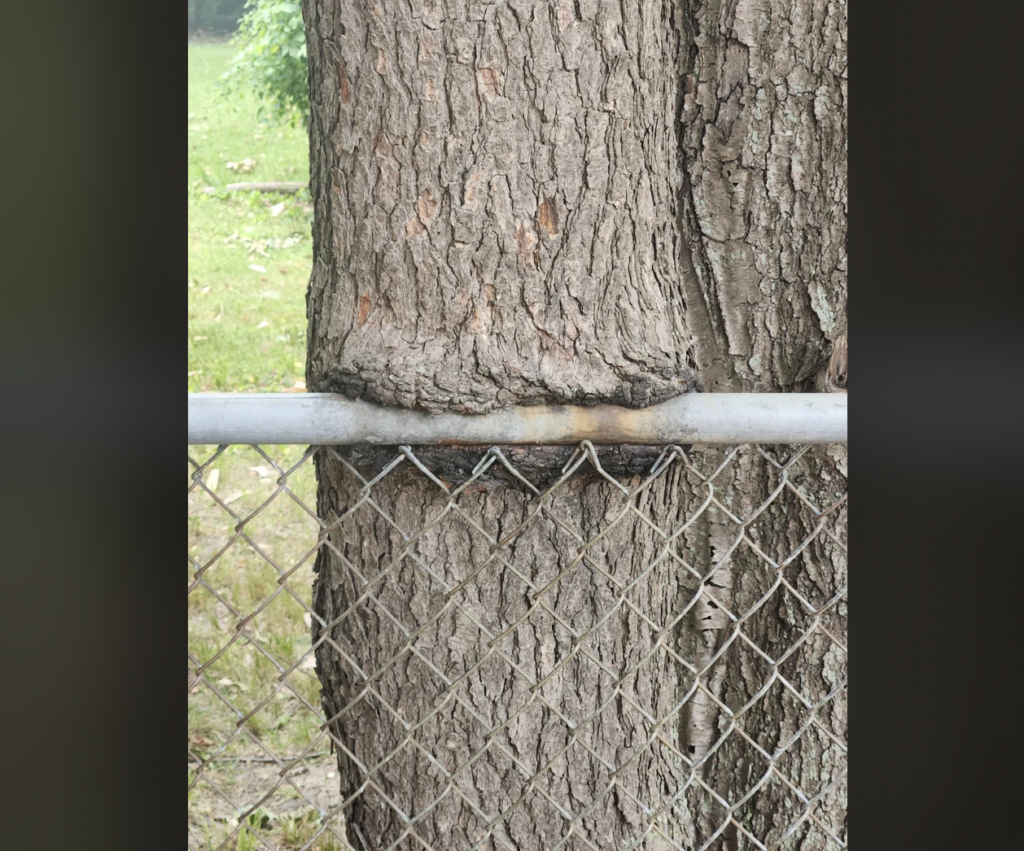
<point>90,366</point>
<point>934,421</point>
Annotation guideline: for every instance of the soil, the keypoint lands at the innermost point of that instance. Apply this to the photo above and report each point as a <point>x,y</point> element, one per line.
<point>309,787</point>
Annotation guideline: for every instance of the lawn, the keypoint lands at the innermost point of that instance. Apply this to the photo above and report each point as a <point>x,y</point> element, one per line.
<point>249,253</point>
<point>256,699</point>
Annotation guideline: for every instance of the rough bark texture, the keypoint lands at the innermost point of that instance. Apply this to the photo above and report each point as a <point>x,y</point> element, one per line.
<point>816,669</point>
<point>763,131</point>
<point>763,152</point>
<point>497,189</point>
<point>576,202</point>
<point>499,606</point>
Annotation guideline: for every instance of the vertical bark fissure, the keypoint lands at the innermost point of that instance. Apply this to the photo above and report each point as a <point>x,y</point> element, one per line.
<point>763,151</point>
<point>762,214</point>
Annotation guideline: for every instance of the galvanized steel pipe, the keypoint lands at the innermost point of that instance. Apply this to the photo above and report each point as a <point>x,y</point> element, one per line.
<point>325,418</point>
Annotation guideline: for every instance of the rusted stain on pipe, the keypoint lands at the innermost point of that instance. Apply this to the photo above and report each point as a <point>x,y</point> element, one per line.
<point>602,423</point>
<point>565,424</point>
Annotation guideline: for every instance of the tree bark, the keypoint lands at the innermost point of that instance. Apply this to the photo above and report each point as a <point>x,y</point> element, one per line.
<point>498,189</point>
<point>576,202</point>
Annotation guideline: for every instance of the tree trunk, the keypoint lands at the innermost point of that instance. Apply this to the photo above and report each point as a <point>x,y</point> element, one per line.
<point>579,202</point>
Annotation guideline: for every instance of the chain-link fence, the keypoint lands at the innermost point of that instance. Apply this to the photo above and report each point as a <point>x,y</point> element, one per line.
<point>553,647</point>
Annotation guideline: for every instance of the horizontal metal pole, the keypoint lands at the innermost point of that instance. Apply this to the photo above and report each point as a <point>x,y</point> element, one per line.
<point>325,418</point>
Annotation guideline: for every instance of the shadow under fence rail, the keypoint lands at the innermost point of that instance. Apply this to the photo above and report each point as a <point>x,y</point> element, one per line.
<point>511,645</point>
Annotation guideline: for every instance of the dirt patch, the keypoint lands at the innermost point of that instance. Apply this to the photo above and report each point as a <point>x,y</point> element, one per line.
<point>293,805</point>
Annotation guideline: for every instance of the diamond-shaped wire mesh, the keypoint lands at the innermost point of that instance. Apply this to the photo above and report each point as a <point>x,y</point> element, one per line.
<point>513,661</point>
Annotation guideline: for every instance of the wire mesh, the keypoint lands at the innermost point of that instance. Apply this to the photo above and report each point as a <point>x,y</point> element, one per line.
<point>711,717</point>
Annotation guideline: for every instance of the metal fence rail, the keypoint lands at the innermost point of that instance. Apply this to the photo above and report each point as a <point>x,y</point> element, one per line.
<point>263,753</point>
<point>323,418</point>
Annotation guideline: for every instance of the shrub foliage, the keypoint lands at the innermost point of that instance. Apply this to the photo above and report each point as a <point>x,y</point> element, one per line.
<point>271,61</point>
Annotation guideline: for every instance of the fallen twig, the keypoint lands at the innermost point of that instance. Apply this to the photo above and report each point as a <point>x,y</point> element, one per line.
<point>285,186</point>
<point>265,758</point>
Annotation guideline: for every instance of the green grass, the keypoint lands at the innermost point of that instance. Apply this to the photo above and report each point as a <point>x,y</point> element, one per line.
<point>247,332</point>
<point>246,328</point>
<point>227,303</point>
<point>242,673</point>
